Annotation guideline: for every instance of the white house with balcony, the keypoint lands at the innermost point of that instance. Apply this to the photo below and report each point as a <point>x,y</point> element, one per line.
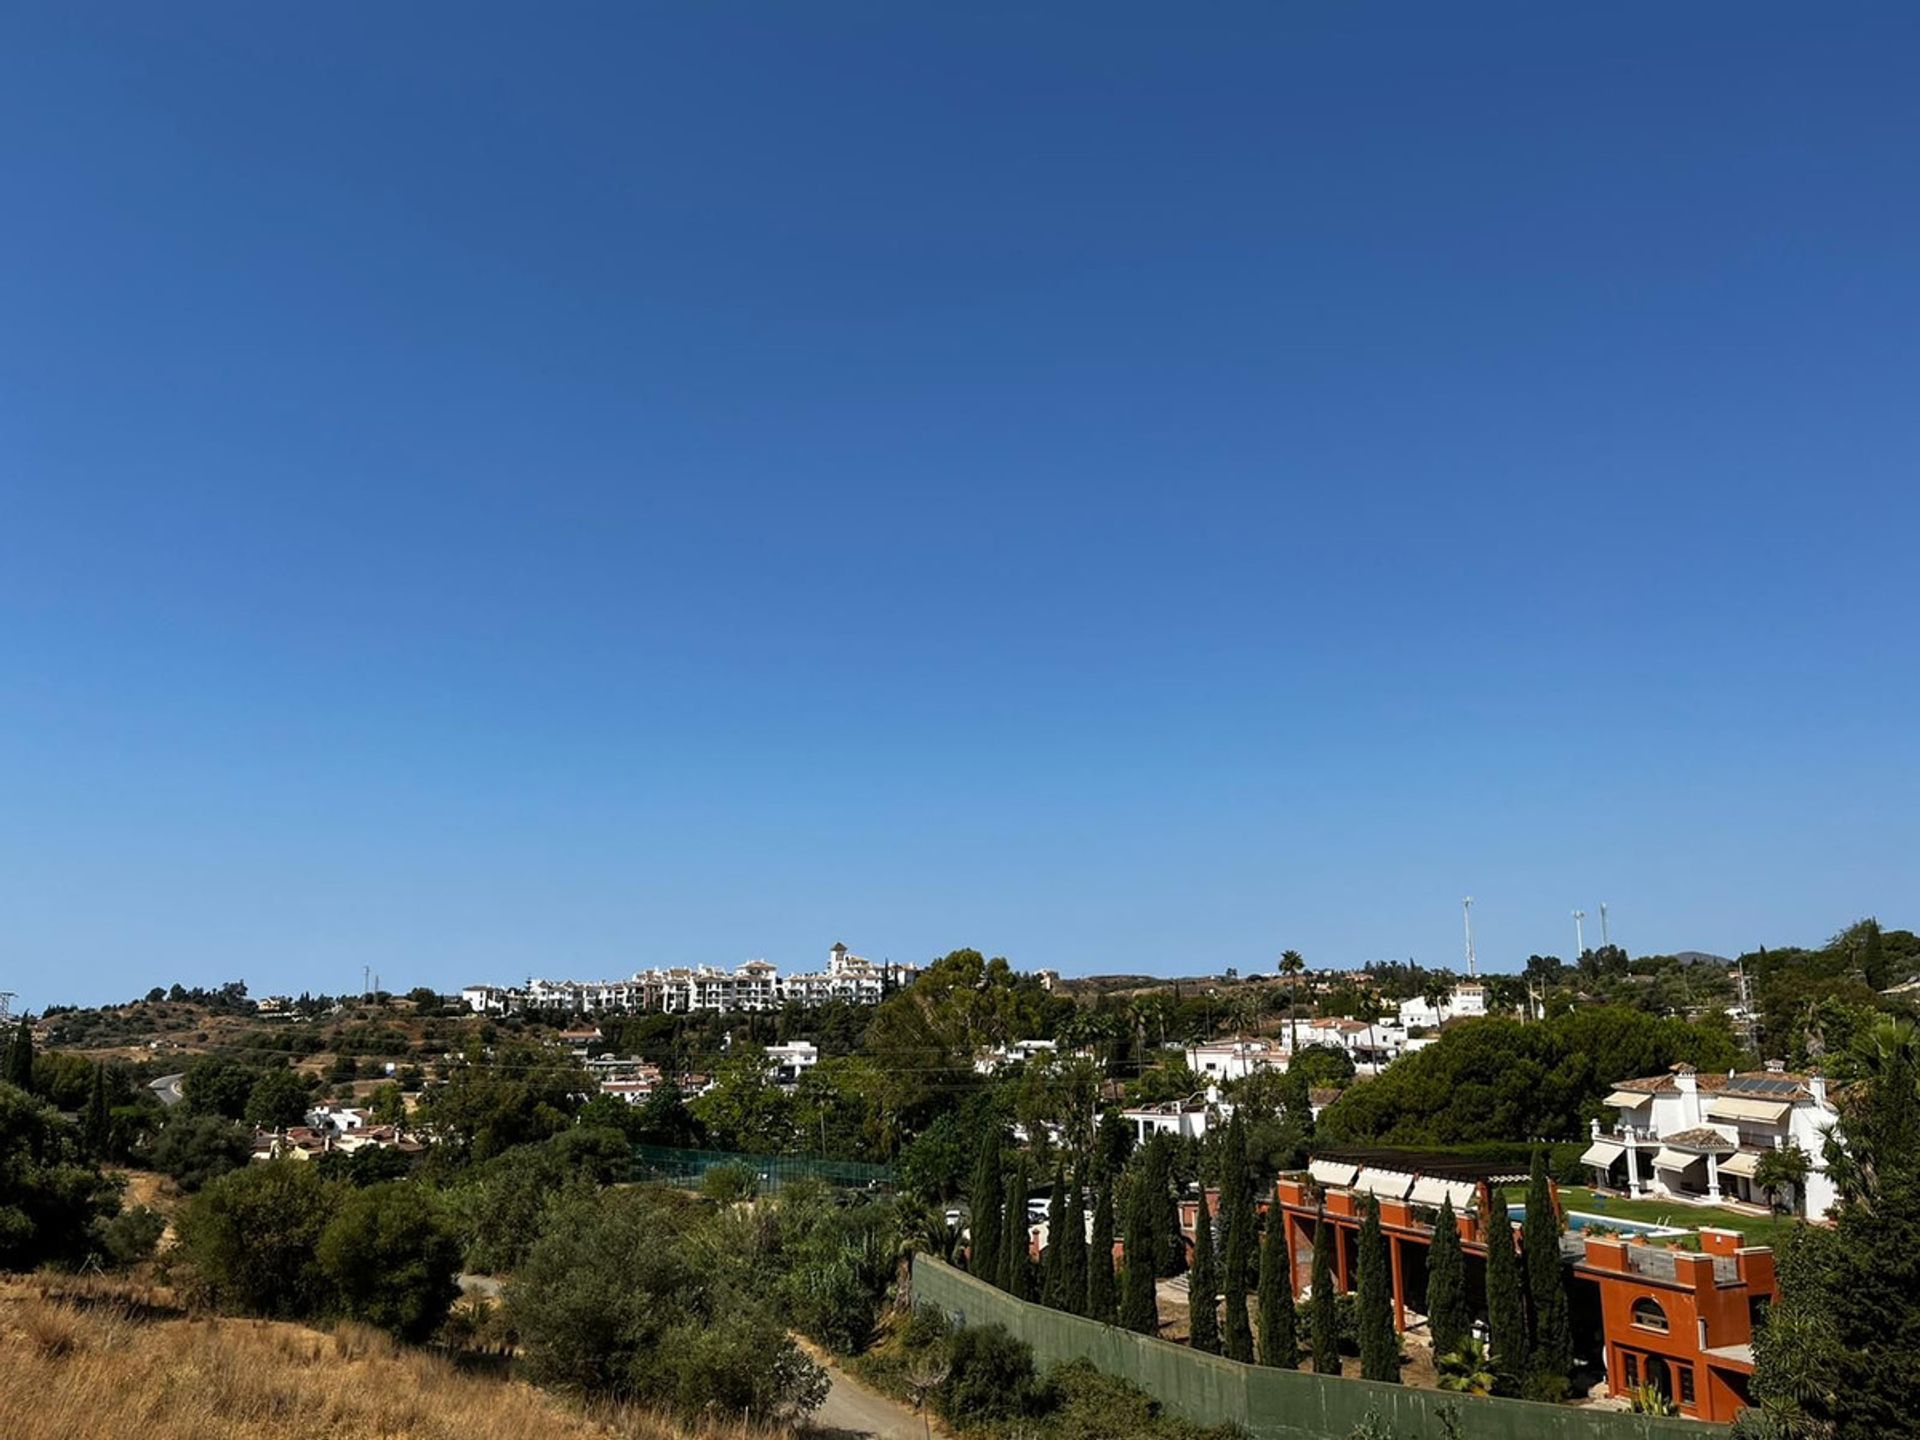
<point>788,1062</point>
<point>1467,1001</point>
<point>1235,1058</point>
<point>1187,1119</point>
<point>1701,1138</point>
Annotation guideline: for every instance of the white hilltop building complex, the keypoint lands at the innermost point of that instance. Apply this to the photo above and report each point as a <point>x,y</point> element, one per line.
<point>754,985</point>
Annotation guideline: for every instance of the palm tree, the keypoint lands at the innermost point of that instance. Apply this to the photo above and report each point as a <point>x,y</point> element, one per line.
<point>1777,1170</point>
<point>1466,1371</point>
<point>1293,965</point>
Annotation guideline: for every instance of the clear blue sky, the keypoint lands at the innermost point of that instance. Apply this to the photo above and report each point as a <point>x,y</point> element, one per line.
<point>1130,487</point>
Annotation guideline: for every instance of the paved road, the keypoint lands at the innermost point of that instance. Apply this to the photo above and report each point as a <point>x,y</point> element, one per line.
<point>167,1087</point>
<point>853,1412</point>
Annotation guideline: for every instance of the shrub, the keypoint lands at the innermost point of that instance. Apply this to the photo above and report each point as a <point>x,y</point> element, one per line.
<point>633,1293</point>
<point>991,1378</point>
<point>130,1236</point>
<point>196,1149</point>
<point>391,1257</point>
<point>730,1182</point>
<point>248,1240</point>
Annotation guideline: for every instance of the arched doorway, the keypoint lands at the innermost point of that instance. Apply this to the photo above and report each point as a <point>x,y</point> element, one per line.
<point>1660,1376</point>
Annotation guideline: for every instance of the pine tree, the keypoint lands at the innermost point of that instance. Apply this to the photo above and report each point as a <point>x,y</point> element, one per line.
<point>1016,1266</point>
<point>19,1069</point>
<point>1279,1338</point>
<point>1102,1302</point>
<point>1506,1304</point>
<point>1236,1210</point>
<point>1323,1316</point>
<point>1552,1354</point>
<point>985,1220</point>
<point>1073,1258</point>
<point>96,1121</point>
<point>1139,1307</point>
<point>1052,1282</point>
<point>1449,1321</point>
<point>1379,1347</point>
<point>1203,1283</point>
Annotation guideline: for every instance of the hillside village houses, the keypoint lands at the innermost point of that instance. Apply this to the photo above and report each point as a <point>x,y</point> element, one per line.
<point>754,985</point>
<point>1698,1137</point>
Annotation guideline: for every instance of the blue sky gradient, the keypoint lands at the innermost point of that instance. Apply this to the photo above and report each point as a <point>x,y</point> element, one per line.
<point>487,491</point>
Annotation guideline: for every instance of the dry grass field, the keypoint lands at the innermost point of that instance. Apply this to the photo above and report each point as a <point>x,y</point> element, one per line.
<point>84,1359</point>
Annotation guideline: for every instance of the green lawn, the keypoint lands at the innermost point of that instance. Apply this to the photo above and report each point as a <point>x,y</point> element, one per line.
<point>1759,1229</point>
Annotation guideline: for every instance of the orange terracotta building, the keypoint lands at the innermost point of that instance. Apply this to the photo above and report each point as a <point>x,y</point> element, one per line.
<point>1645,1312</point>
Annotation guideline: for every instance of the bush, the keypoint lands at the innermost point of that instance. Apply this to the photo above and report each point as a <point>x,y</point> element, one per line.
<point>196,1149</point>
<point>391,1257</point>
<point>730,1182</point>
<point>130,1236</point>
<point>248,1240</point>
<point>49,1198</point>
<point>991,1378</point>
<point>635,1293</point>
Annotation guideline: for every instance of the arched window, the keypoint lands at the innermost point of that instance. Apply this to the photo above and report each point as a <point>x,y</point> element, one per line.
<point>1648,1315</point>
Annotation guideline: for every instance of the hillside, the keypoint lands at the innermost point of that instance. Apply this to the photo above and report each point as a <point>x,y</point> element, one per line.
<point>105,1360</point>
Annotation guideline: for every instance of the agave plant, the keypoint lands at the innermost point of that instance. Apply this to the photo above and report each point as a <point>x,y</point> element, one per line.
<point>1650,1400</point>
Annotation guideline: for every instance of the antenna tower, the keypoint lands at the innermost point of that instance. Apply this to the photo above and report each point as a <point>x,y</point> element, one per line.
<point>7,997</point>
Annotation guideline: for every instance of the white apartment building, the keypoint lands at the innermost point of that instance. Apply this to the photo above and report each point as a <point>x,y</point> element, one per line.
<point>1701,1137</point>
<point>1235,1058</point>
<point>755,985</point>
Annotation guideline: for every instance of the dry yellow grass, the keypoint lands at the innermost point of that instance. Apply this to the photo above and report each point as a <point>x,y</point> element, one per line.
<point>106,1360</point>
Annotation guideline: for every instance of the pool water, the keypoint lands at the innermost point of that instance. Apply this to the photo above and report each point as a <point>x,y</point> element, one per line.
<point>1578,1220</point>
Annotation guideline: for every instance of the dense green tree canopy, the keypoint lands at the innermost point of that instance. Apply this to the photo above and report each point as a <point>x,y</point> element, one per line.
<point>1501,1079</point>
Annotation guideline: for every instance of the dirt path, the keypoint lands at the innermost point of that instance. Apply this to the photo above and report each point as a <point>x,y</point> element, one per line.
<point>856,1412</point>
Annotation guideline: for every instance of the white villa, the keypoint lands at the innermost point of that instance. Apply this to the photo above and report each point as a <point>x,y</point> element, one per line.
<point>1183,1119</point>
<point>1235,1058</point>
<point>1700,1137</point>
<point>1468,1000</point>
<point>790,1061</point>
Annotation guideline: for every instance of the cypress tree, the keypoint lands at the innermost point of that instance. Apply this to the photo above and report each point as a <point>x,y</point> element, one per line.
<point>1506,1303</point>
<point>1053,1291</point>
<point>984,1221</point>
<point>1552,1356</point>
<point>19,1069</point>
<point>96,1121</point>
<point>1279,1340</point>
<point>1163,1219</point>
<point>1379,1347</point>
<point>1139,1308</point>
<point>1102,1302</point>
<point>1203,1283</point>
<point>1073,1257</point>
<point>1236,1209</point>
<point>1016,1268</point>
<point>1323,1317</point>
<point>1448,1319</point>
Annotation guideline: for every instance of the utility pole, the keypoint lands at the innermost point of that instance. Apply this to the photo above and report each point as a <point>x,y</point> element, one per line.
<point>1606,940</point>
<point>1579,935</point>
<point>1466,909</point>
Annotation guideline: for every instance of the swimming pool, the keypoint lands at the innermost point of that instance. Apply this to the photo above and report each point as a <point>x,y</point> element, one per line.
<point>1578,1220</point>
